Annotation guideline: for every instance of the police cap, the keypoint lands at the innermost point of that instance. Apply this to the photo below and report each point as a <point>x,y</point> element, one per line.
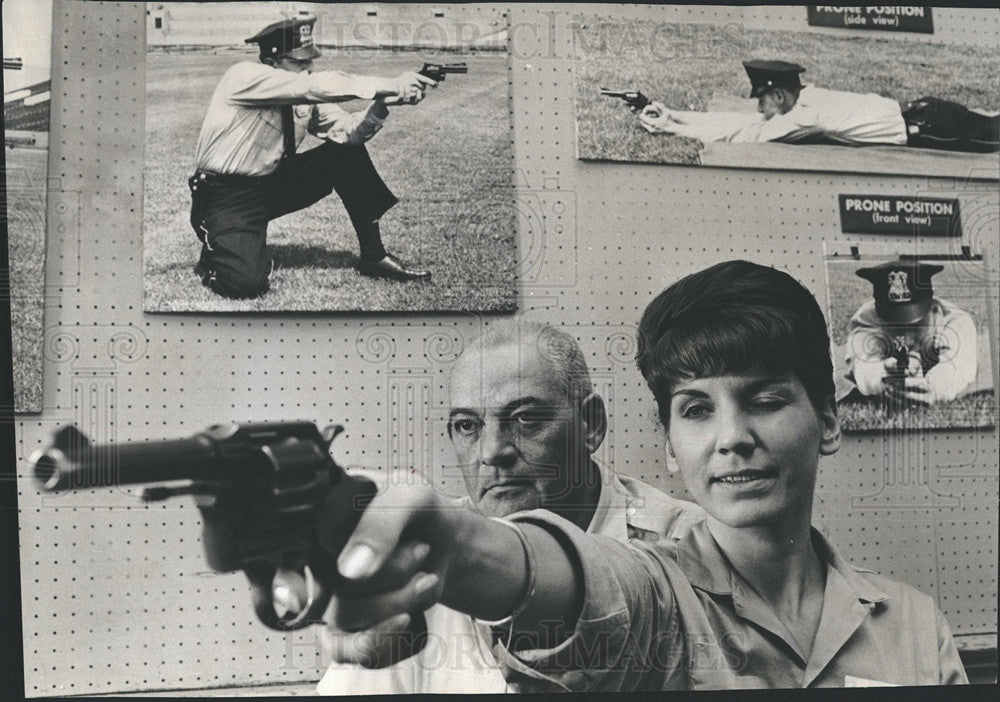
<point>902,289</point>
<point>288,37</point>
<point>772,74</point>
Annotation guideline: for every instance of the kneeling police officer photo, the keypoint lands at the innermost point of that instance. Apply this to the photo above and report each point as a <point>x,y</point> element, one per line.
<point>248,172</point>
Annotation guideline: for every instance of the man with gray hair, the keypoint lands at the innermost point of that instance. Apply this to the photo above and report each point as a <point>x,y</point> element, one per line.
<point>525,423</point>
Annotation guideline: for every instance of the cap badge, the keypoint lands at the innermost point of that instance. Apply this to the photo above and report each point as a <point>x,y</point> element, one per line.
<point>899,291</point>
<point>305,34</point>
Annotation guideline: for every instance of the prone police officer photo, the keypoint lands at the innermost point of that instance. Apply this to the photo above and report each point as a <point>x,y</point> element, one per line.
<point>795,113</point>
<point>907,343</point>
<point>910,339</point>
<point>676,92</point>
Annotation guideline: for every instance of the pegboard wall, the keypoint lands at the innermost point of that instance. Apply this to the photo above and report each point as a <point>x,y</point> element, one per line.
<point>116,595</point>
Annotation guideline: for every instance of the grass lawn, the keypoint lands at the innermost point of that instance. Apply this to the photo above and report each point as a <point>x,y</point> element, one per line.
<point>449,160</point>
<point>972,411</point>
<point>960,283</point>
<point>662,61</point>
<point>26,182</point>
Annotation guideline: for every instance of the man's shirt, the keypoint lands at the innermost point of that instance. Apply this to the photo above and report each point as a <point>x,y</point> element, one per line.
<point>819,113</point>
<point>459,656</point>
<point>946,346</point>
<point>675,615</point>
<point>242,131</point>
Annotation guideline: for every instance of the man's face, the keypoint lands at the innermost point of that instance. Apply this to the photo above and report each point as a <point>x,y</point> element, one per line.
<point>294,65</point>
<point>519,441</point>
<point>773,102</point>
<point>748,445</point>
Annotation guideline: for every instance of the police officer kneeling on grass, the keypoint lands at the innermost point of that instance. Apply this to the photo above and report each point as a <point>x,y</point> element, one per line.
<point>248,172</point>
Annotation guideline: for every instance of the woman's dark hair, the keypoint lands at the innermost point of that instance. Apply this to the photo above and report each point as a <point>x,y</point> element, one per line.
<point>726,320</point>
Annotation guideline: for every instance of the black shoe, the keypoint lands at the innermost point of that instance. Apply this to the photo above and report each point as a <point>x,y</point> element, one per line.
<point>392,268</point>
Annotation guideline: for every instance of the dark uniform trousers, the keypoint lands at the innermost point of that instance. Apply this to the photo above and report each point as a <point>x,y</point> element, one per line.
<point>933,123</point>
<point>230,213</point>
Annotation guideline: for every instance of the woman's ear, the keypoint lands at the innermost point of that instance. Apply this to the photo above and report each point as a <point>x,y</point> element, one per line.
<point>830,442</point>
<point>672,465</point>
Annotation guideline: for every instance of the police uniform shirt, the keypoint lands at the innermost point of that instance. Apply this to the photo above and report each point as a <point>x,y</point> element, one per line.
<point>675,615</point>
<point>850,118</point>
<point>946,346</point>
<point>458,656</point>
<point>242,131</point>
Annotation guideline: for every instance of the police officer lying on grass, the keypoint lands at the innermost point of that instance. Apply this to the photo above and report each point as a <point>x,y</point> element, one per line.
<point>906,343</point>
<point>248,171</point>
<point>525,424</point>
<point>738,359</point>
<point>796,113</point>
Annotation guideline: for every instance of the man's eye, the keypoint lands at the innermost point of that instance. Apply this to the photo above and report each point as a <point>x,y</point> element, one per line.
<point>531,418</point>
<point>464,427</point>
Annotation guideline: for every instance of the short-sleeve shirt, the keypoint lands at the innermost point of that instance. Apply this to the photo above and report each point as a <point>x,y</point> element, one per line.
<point>241,133</point>
<point>458,657</point>
<point>675,615</point>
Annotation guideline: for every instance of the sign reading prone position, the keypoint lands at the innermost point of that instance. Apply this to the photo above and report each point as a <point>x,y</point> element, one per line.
<point>896,214</point>
<point>889,18</point>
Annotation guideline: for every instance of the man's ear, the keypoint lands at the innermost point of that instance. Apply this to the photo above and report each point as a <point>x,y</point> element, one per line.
<point>594,418</point>
<point>830,442</point>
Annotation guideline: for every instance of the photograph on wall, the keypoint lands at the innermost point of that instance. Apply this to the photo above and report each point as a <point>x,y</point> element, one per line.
<point>798,97</point>
<point>26,100</point>
<point>328,157</point>
<point>910,339</point>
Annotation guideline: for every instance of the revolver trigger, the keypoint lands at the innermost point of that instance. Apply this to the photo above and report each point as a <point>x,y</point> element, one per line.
<point>292,593</point>
<point>331,432</point>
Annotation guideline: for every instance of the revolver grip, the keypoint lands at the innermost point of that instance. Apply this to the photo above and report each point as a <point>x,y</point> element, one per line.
<point>304,590</point>
<point>301,596</point>
<point>291,588</point>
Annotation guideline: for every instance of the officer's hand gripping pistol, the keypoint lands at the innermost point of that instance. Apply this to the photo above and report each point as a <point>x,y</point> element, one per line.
<point>438,71</point>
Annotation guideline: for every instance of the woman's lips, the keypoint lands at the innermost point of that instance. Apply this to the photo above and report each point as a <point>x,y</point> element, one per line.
<point>743,477</point>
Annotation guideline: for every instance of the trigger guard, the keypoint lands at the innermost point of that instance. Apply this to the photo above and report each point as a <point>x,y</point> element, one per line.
<point>312,592</point>
<point>261,578</point>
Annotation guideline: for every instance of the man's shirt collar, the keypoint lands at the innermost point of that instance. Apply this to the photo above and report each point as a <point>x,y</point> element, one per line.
<point>609,515</point>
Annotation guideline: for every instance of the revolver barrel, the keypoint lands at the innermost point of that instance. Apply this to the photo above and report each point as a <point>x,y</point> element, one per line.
<point>74,464</point>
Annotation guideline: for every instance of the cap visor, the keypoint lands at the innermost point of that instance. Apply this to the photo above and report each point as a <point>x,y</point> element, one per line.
<point>304,53</point>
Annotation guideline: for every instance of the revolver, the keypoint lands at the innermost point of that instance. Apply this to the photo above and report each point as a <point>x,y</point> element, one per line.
<point>273,501</point>
<point>438,71</point>
<point>901,353</point>
<point>632,98</point>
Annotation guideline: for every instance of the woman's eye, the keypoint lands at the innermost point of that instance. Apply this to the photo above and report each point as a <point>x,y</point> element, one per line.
<point>695,411</point>
<point>769,402</point>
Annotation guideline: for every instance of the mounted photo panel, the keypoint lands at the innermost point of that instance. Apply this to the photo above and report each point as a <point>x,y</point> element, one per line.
<point>910,337</point>
<point>786,95</point>
<point>362,201</point>
<point>26,101</point>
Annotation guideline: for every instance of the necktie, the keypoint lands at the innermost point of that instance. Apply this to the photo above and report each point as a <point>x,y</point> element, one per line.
<point>288,131</point>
